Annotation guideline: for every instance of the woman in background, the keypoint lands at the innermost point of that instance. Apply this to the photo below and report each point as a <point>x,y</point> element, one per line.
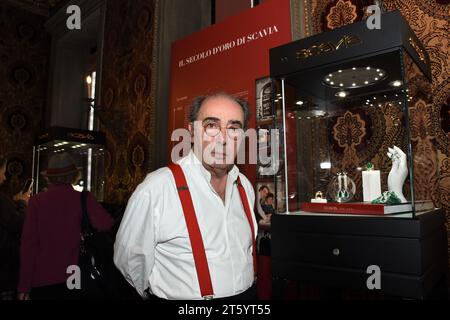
<point>51,233</point>
<point>12,215</point>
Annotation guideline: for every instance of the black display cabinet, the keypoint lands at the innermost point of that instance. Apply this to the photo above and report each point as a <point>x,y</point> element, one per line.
<point>87,149</point>
<point>336,251</point>
<point>345,98</point>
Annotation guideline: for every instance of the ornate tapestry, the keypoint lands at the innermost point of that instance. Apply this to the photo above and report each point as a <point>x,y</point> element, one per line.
<point>41,7</point>
<point>126,110</point>
<point>24,54</point>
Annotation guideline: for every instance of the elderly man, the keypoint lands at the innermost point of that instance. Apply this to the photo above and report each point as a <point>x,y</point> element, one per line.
<point>188,231</point>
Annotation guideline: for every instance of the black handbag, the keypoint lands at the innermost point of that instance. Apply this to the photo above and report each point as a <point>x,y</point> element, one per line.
<point>95,260</point>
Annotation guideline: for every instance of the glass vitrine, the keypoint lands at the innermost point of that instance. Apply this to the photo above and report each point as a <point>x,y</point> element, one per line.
<point>86,148</point>
<point>347,98</point>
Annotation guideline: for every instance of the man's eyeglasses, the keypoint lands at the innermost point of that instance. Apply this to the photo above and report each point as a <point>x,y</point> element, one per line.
<point>212,129</point>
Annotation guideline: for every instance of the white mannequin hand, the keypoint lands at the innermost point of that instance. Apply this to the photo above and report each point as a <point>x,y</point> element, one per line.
<point>398,173</point>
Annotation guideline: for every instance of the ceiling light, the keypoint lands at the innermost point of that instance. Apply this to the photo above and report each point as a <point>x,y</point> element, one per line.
<point>341,94</point>
<point>319,113</point>
<point>396,83</point>
<point>299,103</point>
<point>353,77</point>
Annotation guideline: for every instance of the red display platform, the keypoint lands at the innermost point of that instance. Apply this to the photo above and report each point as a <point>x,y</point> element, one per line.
<point>356,208</point>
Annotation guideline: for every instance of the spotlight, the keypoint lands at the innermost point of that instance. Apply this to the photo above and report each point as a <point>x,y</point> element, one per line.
<point>396,83</point>
<point>341,94</point>
<point>353,77</point>
<point>325,165</point>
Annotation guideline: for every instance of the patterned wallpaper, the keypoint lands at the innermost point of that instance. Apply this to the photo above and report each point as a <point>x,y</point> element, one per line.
<point>24,54</point>
<point>41,7</point>
<point>126,113</point>
<point>430,122</point>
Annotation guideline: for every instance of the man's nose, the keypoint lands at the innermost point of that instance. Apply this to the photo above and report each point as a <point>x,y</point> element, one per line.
<point>222,136</point>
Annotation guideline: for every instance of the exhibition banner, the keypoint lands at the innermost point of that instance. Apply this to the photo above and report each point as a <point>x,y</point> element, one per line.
<point>229,56</point>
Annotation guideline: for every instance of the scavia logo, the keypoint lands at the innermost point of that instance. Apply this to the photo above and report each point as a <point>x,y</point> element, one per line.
<point>315,50</point>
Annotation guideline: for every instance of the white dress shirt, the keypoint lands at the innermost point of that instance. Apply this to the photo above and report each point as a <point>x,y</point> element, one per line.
<point>153,250</point>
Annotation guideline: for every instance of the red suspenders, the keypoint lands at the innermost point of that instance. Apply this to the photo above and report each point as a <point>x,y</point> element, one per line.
<point>248,213</point>
<point>198,249</point>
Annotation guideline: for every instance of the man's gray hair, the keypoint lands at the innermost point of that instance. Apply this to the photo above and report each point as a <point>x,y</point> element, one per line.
<point>198,102</point>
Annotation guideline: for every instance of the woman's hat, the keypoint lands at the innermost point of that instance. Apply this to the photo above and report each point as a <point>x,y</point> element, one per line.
<point>60,164</point>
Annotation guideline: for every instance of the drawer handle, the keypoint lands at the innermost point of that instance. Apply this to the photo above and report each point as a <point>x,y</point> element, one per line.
<point>336,251</point>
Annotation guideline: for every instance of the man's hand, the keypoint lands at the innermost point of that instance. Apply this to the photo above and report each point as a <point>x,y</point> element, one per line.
<point>23,296</point>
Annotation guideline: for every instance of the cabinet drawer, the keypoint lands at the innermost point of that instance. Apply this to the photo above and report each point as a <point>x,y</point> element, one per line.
<point>397,255</point>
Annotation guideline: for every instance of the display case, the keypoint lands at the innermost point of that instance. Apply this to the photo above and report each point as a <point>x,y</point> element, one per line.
<point>87,148</point>
<point>346,101</point>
